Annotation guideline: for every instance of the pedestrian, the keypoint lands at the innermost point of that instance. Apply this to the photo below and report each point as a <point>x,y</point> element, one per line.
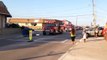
<point>96,32</point>
<point>84,35</point>
<point>23,31</point>
<point>104,32</point>
<point>73,35</point>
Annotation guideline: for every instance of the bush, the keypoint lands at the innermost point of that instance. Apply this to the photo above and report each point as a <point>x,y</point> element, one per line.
<point>13,26</point>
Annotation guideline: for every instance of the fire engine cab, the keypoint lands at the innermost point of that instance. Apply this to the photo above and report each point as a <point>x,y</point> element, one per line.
<point>52,27</point>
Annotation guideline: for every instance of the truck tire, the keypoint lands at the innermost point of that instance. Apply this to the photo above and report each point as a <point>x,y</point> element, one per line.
<point>60,31</point>
<point>44,32</point>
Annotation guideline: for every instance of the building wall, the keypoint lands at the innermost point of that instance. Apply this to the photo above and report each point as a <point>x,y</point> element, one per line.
<point>2,21</point>
<point>37,27</point>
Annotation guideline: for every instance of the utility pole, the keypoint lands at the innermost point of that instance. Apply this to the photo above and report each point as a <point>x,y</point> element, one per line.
<point>94,15</point>
<point>76,20</point>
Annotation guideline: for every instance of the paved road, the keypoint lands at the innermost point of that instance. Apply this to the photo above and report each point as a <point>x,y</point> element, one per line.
<point>42,48</point>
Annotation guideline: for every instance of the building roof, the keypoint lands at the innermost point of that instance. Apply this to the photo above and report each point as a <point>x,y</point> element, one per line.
<point>3,10</point>
<point>32,20</point>
<point>21,20</point>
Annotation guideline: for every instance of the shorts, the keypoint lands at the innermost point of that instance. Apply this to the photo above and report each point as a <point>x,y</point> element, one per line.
<point>73,38</point>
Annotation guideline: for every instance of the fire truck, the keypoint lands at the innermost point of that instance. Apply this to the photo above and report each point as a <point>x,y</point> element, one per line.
<point>52,27</point>
<point>68,25</point>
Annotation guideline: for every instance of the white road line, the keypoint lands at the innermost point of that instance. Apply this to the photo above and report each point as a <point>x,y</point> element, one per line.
<point>42,40</point>
<point>65,41</point>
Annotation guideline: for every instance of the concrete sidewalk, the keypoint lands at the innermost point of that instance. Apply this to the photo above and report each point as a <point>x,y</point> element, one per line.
<point>93,49</point>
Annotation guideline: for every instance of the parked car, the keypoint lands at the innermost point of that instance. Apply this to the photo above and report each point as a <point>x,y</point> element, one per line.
<point>91,31</point>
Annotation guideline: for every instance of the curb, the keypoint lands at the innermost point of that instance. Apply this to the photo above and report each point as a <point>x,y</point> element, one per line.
<point>67,53</point>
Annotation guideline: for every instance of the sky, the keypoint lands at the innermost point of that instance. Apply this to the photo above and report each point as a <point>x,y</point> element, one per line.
<point>79,12</point>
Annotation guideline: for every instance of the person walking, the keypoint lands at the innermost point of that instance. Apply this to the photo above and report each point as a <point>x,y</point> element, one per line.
<point>84,34</point>
<point>96,32</point>
<point>73,35</point>
<point>104,32</point>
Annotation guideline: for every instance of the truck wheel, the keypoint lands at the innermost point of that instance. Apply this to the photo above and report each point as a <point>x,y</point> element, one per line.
<point>44,32</point>
<point>61,31</point>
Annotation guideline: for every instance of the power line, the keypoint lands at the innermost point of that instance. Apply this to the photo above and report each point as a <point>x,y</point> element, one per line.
<point>100,10</point>
<point>56,16</point>
<point>68,16</point>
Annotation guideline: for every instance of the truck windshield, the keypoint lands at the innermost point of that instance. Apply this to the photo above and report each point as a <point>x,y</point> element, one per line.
<point>49,25</point>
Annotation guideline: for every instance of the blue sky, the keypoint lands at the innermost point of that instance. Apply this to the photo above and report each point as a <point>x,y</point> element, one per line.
<point>59,9</point>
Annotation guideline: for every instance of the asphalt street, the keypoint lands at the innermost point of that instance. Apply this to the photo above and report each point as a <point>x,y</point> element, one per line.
<point>49,47</point>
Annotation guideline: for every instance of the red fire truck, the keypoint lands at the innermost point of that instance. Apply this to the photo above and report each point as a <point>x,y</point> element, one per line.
<point>68,25</point>
<point>52,27</point>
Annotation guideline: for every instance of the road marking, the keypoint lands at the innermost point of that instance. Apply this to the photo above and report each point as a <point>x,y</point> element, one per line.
<point>65,41</point>
<point>50,41</point>
<point>67,52</point>
<point>40,39</point>
<point>81,40</point>
<point>64,55</point>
